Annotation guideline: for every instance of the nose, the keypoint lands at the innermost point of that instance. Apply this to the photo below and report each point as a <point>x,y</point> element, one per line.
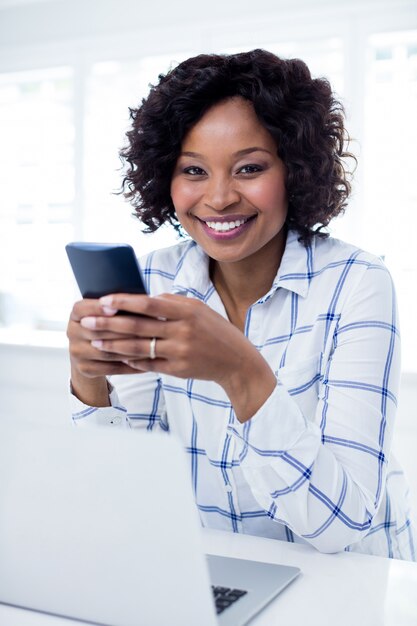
<point>221,193</point>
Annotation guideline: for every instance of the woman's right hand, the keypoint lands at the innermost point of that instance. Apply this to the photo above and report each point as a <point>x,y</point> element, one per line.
<point>90,366</point>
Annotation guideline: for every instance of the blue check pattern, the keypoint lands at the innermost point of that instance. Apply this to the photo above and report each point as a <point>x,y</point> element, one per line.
<point>314,464</point>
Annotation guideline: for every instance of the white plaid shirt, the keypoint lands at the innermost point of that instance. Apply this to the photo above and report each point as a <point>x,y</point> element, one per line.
<point>314,463</point>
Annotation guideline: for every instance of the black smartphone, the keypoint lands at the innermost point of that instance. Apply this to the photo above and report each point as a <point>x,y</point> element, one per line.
<point>104,268</point>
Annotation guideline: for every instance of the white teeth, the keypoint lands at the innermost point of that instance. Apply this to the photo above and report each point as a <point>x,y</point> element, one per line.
<point>225,226</point>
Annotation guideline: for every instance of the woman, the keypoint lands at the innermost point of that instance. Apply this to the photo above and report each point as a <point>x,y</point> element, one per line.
<point>269,348</point>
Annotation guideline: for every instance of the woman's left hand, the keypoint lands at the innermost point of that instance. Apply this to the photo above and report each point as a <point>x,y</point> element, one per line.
<point>192,341</point>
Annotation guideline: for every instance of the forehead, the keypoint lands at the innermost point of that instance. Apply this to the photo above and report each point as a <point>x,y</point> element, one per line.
<point>229,122</point>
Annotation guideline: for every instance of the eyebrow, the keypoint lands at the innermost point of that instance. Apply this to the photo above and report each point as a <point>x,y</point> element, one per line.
<point>239,153</point>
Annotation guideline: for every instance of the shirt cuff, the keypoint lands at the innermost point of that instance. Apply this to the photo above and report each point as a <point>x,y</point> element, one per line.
<point>84,415</point>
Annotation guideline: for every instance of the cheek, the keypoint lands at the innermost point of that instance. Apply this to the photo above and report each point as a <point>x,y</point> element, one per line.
<point>270,196</point>
<point>183,196</point>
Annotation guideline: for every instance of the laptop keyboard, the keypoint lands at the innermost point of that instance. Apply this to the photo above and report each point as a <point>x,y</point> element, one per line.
<point>225,596</point>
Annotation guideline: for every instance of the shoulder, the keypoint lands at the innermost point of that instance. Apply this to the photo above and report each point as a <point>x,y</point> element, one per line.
<point>345,261</point>
<point>333,250</point>
<point>160,267</point>
<point>351,275</point>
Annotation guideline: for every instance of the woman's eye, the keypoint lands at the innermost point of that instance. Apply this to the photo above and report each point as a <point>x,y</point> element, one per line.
<point>194,171</point>
<point>250,169</point>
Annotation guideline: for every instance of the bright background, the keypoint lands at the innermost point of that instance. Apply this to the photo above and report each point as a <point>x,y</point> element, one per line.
<point>69,70</point>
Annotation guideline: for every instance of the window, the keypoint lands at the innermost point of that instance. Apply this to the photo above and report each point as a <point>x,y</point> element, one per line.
<point>111,88</point>
<point>389,219</point>
<point>323,56</point>
<point>37,186</point>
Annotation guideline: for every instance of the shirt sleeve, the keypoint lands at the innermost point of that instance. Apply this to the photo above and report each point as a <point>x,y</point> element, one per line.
<point>137,401</point>
<point>323,474</point>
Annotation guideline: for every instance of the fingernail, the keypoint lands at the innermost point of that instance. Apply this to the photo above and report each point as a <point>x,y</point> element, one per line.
<point>88,322</point>
<point>97,343</point>
<point>108,310</point>
<point>106,304</point>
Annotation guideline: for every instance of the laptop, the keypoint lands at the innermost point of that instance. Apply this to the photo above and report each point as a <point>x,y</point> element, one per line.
<point>100,525</point>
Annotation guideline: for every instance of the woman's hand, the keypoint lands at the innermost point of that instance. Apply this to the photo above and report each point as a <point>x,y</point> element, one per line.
<point>88,365</point>
<point>192,341</point>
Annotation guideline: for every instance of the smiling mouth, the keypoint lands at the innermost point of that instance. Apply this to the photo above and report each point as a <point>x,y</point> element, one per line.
<point>226,226</point>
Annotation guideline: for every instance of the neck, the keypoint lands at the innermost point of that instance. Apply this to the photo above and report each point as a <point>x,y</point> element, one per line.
<point>242,283</point>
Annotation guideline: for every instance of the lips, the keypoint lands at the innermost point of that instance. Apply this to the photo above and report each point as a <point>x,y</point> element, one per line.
<point>225,227</point>
<point>225,223</point>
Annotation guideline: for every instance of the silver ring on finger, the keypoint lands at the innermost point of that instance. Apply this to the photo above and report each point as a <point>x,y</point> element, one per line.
<point>152,349</point>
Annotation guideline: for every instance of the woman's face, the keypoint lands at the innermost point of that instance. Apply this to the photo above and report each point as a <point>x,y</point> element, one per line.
<point>228,185</point>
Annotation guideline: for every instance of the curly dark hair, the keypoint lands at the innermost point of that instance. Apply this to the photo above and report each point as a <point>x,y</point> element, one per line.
<point>299,111</point>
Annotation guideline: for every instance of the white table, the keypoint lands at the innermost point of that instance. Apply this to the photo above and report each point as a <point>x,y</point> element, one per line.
<point>343,589</point>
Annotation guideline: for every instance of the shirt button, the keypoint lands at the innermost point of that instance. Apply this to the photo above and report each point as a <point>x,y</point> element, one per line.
<point>228,488</point>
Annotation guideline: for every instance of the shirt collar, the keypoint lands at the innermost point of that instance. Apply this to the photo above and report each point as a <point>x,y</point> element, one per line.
<point>294,273</point>
<point>192,272</point>
<point>296,268</point>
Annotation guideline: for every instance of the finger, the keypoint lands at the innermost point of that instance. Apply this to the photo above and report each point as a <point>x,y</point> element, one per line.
<point>91,335</point>
<point>166,306</point>
<point>133,325</point>
<point>131,348</point>
<point>76,332</point>
<point>89,306</point>
<point>94,368</point>
<point>85,351</point>
<point>170,357</point>
<point>147,365</point>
